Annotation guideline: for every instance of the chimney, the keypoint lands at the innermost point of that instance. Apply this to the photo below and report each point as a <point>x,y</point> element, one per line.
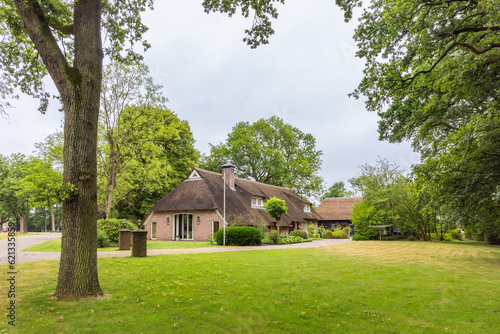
<point>228,174</point>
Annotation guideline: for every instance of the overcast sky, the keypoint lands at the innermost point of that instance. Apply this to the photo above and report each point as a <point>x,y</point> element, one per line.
<point>214,80</point>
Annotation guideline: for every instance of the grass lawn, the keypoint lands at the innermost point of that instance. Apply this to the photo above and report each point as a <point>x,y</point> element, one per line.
<point>359,287</point>
<point>55,245</point>
<point>5,235</point>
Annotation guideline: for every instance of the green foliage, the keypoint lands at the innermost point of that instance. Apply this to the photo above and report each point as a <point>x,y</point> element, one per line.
<point>272,152</point>
<point>441,237</point>
<point>112,227</point>
<point>337,190</point>
<point>365,214</point>
<point>433,75</point>
<point>102,239</point>
<point>211,238</point>
<point>289,239</point>
<point>274,237</point>
<point>358,236</point>
<point>339,235</point>
<point>456,235</point>
<point>275,207</point>
<point>263,230</point>
<point>239,236</point>
<point>159,152</point>
<point>262,12</point>
<point>299,233</point>
<point>347,230</point>
<point>411,238</point>
<point>329,234</point>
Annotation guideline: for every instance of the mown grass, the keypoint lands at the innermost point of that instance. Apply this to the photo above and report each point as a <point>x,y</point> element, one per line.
<point>359,287</point>
<point>55,245</point>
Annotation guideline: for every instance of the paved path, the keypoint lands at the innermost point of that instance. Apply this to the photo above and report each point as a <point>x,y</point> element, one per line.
<point>23,242</point>
<point>39,256</point>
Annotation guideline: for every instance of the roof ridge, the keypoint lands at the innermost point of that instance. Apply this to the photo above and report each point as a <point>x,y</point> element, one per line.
<point>242,179</point>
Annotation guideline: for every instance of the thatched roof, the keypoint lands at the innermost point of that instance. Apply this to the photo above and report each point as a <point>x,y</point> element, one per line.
<point>207,192</point>
<point>337,208</point>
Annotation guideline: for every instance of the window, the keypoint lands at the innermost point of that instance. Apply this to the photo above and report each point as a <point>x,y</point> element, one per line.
<point>215,226</point>
<point>307,207</point>
<point>257,202</point>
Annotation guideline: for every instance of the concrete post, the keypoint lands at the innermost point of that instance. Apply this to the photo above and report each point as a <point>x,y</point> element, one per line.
<point>124,239</point>
<point>139,243</point>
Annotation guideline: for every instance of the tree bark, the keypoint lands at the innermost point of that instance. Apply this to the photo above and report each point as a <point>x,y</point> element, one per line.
<point>23,224</point>
<point>78,266</point>
<point>53,219</point>
<point>111,181</point>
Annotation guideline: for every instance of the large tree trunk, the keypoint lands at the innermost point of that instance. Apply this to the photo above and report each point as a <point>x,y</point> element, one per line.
<point>23,224</point>
<point>79,85</point>
<point>78,267</point>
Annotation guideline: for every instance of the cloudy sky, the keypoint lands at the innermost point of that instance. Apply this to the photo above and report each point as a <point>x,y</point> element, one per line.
<point>214,80</point>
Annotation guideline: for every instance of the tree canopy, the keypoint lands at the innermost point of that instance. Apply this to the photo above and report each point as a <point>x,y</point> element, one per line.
<point>273,152</point>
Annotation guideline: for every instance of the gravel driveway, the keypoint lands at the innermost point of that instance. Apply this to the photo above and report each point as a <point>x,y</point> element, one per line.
<point>40,256</point>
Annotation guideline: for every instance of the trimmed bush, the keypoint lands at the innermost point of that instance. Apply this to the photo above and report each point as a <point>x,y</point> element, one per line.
<point>299,233</point>
<point>240,236</point>
<point>329,234</point>
<point>339,235</point>
<point>102,239</point>
<point>112,226</point>
<point>358,236</point>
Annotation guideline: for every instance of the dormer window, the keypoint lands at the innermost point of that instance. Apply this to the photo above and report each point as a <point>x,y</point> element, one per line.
<point>194,175</point>
<point>257,202</point>
<point>307,207</point>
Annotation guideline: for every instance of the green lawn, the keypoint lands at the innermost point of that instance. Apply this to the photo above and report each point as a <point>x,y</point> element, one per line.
<point>55,245</point>
<point>359,287</point>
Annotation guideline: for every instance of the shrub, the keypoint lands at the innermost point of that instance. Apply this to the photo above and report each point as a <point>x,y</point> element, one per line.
<point>457,235</point>
<point>299,233</point>
<point>289,239</point>
<point>347,230</point>
<point>240,236</point>
<point>339,235</point>
<point>436,236</point>
<point>112,226</point>
<point>411,238</point>
<point>263,230</point>
<point>358,236</point>
<point>329,234</point>
<point>102,239</point>
<point>274,237</point>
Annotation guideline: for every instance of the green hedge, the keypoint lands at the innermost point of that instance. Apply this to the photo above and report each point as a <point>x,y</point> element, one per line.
<point>239,236</point>
<point>102,239</point>
<point>339,235</point>
<point>112,226</point>
<point>358,236</point>
<point>299,233</point>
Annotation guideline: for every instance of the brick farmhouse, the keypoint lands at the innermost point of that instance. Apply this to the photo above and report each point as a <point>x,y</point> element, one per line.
<point>195,208</point>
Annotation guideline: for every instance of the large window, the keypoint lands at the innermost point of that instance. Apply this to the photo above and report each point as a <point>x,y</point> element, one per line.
<point>307,207</point>
<point>183,226</point>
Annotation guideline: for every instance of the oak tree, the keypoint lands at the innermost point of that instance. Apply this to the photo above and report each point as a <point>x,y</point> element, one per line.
<point>63,39</point>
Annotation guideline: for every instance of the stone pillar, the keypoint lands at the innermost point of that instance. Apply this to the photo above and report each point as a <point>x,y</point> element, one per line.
<point>124,239</point>
<point>139,243</point>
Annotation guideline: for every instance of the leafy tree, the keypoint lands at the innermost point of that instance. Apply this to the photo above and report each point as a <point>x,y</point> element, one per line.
<point>337,190</point>
<point>13,205</point>
<point>122,86</point>
<point>263,12</point>
<point>157,155</point>
<point>432,74</point>
<point>63,39</point>
<point>276,208</point>
<point>273,152</point>
<point>42,185</point>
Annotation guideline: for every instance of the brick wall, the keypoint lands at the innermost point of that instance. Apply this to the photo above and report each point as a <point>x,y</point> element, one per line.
<point>165,222</point>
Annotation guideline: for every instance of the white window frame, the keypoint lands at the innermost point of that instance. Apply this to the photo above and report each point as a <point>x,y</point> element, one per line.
<point>257,202</point>
<point>307,208</point>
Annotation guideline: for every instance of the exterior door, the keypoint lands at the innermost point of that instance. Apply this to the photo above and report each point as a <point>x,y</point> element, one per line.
<point>183,226</point>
